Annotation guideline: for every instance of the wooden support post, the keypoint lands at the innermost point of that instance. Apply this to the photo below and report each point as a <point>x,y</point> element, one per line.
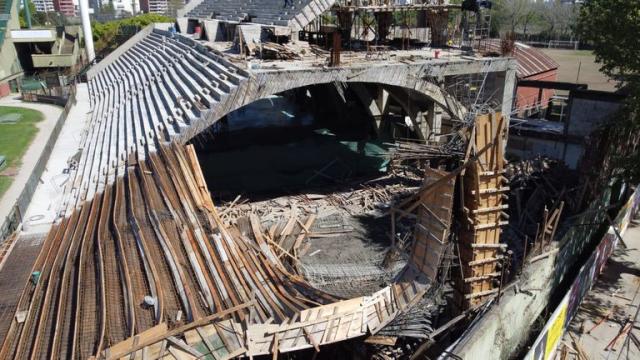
<point>336,49</point>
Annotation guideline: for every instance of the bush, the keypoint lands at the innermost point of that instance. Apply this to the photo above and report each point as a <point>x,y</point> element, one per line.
<point>109,35</point>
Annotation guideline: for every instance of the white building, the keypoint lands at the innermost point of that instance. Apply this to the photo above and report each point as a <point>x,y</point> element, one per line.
<point>154,6</point>
<point>130,6</point>
<point>43,5</point>
<point>120,6</point>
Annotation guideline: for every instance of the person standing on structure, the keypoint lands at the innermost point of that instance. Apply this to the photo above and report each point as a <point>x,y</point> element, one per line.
<point>287,3</point>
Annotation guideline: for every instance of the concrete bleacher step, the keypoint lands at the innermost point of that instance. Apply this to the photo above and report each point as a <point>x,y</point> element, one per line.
<point>267,12</point>
<point>155,90</point>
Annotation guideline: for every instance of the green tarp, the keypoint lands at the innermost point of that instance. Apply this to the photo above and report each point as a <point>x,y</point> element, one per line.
<point>315,161</point>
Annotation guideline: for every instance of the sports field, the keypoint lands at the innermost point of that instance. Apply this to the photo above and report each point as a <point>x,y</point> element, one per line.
<point>17,130</point>
<point>580,66</point>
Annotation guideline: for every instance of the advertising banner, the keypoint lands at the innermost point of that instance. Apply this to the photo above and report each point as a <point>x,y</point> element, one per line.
<point>548,340</point>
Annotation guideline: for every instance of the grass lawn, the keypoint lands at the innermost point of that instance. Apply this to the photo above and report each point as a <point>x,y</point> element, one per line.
<point>15,139</point>
<point>571,60</point>
<point>5,182</point>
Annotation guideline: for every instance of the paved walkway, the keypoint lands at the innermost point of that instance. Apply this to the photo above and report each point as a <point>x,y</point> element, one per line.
<point>31,156</point>
<point>45,205</point>
<point>613,302</point>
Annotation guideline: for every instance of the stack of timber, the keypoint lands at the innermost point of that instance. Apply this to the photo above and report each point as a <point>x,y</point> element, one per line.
<point>271,50</point>
<point>484,201</point>
<point>407,150</point>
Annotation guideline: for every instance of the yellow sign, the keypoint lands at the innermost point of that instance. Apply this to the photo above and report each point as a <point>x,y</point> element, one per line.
<point>556,330</point>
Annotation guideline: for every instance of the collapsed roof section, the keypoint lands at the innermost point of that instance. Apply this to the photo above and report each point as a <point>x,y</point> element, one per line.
<point>141,253</point>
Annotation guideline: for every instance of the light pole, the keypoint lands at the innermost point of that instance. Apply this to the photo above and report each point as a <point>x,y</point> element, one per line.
<point>86,29</point>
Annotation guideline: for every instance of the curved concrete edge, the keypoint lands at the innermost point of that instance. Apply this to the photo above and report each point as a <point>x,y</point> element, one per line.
<point>309,13</point>
<point>263,84</point>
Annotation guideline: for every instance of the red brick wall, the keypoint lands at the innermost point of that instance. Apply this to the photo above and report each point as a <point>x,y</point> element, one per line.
<point>527,97</point>
<point>5,89</point>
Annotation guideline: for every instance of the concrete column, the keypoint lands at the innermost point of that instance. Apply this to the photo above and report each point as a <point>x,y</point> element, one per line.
<point>183,25</point>
<point>383,99</point>
<point>424,125</point>
<point>414,111</point>
<point>295,35</point>
<point>86,29</point>
<point>434,119</point>
<point>369,103</point>
<point>508,95</point>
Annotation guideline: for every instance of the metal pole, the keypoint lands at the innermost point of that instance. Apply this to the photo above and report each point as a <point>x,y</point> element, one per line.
<point>86,29</point>
<point>27,13</point>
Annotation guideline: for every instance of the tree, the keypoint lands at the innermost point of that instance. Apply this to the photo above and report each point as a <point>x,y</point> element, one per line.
<point>111,34</point>
<point>560,19</point>
<point>32,12</point>
<point>554,19</point>
<point>510,15</point>
<point>108,9</point>
<point>613,28</point>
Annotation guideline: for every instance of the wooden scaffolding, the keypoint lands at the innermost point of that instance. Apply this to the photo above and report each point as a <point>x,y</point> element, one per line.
<point>484,204</point>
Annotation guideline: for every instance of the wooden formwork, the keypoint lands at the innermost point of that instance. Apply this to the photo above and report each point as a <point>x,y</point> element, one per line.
<point>484,203</point>
<point>433,222</point>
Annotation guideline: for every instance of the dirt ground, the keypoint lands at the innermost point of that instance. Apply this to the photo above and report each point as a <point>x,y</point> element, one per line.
<point>571,60</point>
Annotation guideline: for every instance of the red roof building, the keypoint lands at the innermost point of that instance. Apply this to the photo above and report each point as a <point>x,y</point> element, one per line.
<point>533,64</point>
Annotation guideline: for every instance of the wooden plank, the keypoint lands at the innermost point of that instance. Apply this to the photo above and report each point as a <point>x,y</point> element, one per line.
<point>184,347</point>
<point>159,333</point>
<point>307,225</point>
<point>256,228</point>
<point>207,343</point>
<point>276,347</point>
<point>381,340</point>
<point>310,339</point>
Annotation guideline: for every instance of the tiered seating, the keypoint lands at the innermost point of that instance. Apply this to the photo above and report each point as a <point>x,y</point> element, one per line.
<point>267,12</point>
<point>5,14</point>
<point>150,94</point>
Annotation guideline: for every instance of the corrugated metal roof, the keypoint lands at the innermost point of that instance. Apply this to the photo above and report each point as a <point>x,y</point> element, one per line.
<point>531,61</point>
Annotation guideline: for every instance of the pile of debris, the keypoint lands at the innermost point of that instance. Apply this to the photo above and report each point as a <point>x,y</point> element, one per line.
<point>308,232</point>
<point>410,150</point>
<point>377,195</point>
<point>543,191</point>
